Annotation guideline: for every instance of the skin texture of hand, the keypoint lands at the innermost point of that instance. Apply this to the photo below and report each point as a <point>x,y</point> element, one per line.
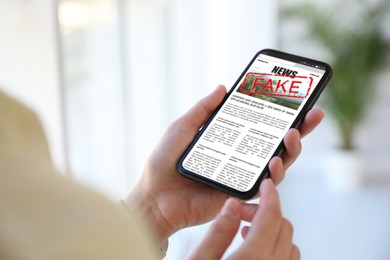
<point>269,237</point>
<point>170,202</point>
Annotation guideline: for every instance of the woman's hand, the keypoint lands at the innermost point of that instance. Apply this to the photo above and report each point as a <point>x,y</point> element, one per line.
<point>269,237</point>
<point>170,202</point>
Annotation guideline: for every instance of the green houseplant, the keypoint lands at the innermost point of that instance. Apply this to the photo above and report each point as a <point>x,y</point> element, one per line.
<point>358,51</point>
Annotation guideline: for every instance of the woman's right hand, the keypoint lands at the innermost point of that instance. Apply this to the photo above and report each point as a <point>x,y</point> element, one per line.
<point>268,238</point>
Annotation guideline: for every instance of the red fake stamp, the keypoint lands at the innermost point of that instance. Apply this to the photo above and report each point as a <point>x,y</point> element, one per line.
<point>274,85</point>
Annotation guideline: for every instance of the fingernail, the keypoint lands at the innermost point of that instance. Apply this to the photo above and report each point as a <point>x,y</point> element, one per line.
<point>231,208</point>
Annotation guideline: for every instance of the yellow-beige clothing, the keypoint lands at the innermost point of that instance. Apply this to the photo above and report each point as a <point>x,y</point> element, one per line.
<point>44,215</point>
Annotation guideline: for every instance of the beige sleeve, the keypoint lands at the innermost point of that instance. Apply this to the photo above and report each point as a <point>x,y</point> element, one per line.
<point>44,215</point>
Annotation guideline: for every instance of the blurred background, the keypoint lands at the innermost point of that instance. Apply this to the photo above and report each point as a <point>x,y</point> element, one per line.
<point>107,76</point>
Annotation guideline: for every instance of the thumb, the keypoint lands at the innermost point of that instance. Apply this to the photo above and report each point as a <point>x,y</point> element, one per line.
<point>221,232</point>
<point>198,114</point>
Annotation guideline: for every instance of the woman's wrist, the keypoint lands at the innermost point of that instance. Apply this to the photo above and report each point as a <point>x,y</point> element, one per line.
<point>142,203</point>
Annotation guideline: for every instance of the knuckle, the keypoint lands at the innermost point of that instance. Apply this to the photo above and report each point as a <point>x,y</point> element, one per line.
<point>288,226</point>
<point>281,175</point>
<point>295,253</point>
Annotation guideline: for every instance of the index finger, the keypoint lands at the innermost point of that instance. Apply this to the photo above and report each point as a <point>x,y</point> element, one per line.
<point>312,119</point>
<point>267,221</point>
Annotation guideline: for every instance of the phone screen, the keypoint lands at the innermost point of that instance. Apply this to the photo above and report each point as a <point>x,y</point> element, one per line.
<point>233,149</point>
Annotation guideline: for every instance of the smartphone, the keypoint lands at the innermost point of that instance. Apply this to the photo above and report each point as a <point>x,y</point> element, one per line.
<point>232,150</point>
